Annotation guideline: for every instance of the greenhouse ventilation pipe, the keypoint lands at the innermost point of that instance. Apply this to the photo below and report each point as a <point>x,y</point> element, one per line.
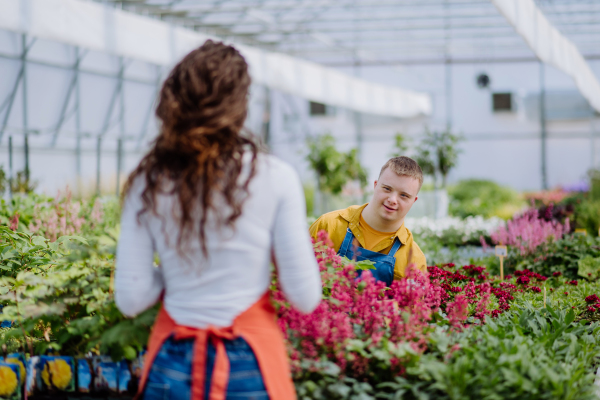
<point>544,133</point>
<point>119,163</point>
<point>78,122</point>
<point>10,166</point>
<point>266,123</point>
<point>98,155</point>
<point>26,149</point>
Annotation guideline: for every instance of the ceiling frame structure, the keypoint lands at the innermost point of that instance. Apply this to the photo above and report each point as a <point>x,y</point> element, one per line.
<point>380,32</point>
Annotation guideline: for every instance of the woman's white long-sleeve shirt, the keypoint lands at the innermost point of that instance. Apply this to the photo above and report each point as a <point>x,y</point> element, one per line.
<point>203,291</point>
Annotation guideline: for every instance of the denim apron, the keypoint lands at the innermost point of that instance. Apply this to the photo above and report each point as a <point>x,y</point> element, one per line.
<point>384,263</point>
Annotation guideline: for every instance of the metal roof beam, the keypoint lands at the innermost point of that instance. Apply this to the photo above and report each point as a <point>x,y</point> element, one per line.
<point>377,27</point>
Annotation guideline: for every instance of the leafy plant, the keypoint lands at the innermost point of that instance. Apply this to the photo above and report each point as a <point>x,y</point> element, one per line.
<point>559,256</point>
<point>3,180</point>
<point>587,216</point>
<point>438,153</point>
<point>332,167</point>
<point>471,197</point>
<point>400,145</point>
<point>589,268</point>
<point>22,183</point>
<point>59,295</point>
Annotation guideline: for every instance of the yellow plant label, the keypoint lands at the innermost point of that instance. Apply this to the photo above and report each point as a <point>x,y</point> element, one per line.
<point>581,232</point>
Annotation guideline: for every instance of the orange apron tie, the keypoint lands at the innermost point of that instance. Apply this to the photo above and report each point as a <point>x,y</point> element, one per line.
<point>257,326</point>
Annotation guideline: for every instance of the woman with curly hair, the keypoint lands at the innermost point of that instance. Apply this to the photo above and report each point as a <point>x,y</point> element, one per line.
<point>216,211</point>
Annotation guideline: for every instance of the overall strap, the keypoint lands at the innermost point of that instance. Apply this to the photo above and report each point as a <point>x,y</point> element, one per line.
<point>348,239</point>
<point>395,247</point>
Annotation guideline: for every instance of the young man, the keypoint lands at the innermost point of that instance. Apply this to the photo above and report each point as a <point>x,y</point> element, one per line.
<point>376,231</point>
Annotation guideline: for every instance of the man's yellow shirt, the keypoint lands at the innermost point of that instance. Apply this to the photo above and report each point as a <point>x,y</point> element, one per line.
<point>335,223</point>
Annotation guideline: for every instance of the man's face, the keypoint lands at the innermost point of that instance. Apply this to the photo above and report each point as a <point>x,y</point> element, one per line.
<point>394,195</point>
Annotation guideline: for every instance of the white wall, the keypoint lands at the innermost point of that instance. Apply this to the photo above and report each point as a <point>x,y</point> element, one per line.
<point>505,148</point>
<point>499,146</point>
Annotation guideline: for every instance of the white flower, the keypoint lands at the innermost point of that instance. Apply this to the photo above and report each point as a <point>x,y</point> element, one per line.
<point>469,228</point>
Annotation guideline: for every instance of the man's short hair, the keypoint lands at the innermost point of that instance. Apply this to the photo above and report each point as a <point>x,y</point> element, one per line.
<point>404,166</point>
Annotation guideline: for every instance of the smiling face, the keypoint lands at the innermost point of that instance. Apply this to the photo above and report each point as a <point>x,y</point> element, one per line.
<point>393,197</point>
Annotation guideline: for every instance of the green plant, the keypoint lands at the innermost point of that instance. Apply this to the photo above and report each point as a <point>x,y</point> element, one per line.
<point>309,198</point>
<point>562,256</point>
<point>437,154</point>
<point>587,215</point>
<point>334,168</point>
<point>22,183</point>
<point>59,294</point>
<point>472,197</point>
<point>594,177</point>
<point>400,145</point>
<point>3,180</point>
<point>531,351</point>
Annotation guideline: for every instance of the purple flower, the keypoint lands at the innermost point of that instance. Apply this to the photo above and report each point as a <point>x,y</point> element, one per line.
<point>581,186</point>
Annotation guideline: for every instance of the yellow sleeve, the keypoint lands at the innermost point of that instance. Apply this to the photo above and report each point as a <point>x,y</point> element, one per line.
<point>409,254</point>
<point>317,226</point>
<point>419,257</point>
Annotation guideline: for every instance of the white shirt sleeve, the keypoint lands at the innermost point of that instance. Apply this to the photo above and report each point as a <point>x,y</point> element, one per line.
<point>138,284</point>
<point>297,266</point>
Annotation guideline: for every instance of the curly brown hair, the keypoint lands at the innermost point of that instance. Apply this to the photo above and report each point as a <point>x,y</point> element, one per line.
<point>202,108</point>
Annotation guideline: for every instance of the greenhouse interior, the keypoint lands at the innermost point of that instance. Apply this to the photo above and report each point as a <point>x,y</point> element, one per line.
<point>468,130</point>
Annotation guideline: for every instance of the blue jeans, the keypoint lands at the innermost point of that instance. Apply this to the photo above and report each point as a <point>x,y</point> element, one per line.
<point>170,375</point>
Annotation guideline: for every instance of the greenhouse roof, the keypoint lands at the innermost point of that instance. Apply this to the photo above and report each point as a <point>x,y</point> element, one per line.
<point>377,32</point>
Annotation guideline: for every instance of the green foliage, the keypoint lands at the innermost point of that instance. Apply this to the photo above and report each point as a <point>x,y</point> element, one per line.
<point>22,183</point>
<point>563,256</point>
<point>3,180</point>
<point>334,168</point>
<point>594,177</point>
<point>589,268</point>
<point>528,352</point>
<point>438,153</point>
<point>309,198</point>
<point>587,215</point>
<point>400,145</point>
<point>473,197</point>
<point>59,295</point>
<point>361,265</point>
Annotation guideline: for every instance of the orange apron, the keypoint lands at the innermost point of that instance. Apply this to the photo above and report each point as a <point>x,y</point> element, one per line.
<point>257,325</point>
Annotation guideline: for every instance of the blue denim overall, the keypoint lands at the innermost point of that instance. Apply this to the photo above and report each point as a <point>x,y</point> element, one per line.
<point>171,374</point>
<point>384,263</point>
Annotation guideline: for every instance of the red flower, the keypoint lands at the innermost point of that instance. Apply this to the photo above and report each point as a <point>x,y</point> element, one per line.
<point>523,280</point>
<point>592,299</point>
<point>573,282</point>
<point>566,293</point>
<point>557,273</point>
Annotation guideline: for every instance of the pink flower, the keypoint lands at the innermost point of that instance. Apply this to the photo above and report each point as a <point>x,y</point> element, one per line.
<point>458,310</point>
<point>14,222</point>
<point>367,311</point>
<point>527,231</point>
